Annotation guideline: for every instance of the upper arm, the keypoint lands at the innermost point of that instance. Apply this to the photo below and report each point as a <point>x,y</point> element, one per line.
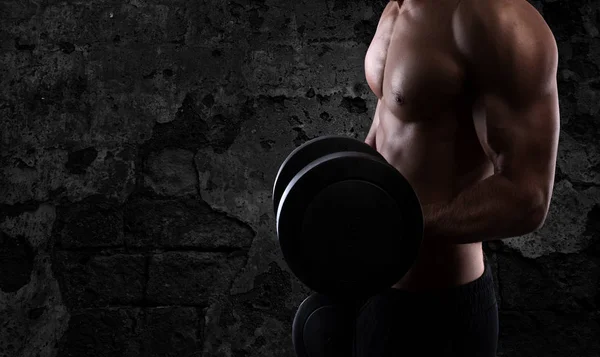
<point>511,57</point>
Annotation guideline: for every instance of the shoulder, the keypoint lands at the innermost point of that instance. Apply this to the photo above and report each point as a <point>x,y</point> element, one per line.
<point>500,12</point>
<point>508,35</point>
<point>512,23</point>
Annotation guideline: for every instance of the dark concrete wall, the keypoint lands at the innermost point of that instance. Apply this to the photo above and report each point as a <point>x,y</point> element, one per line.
<point>139,142</point>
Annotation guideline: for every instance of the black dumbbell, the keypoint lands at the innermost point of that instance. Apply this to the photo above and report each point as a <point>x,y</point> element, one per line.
<point>310,151</point>
<point>347,220</point>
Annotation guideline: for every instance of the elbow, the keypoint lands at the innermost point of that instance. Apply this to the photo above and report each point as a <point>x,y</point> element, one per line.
<point>537,220</point>
<point>535,216</point>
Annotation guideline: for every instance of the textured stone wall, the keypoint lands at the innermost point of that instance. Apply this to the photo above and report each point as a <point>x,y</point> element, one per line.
<point>138,144</point>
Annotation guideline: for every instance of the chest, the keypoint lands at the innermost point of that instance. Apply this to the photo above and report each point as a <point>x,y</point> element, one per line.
<point>412,58</point>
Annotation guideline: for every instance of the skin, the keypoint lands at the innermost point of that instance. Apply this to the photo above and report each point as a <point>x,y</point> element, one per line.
<point>468,112</point>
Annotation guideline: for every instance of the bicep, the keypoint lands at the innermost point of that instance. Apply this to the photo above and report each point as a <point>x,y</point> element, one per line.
<point>523,138</point>
<point>521,118</point>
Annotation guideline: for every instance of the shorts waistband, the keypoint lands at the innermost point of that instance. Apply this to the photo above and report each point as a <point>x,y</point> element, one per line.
<point>470,298</point>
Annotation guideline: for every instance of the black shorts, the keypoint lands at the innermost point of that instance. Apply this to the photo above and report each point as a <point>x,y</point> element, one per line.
<point>461,321</point>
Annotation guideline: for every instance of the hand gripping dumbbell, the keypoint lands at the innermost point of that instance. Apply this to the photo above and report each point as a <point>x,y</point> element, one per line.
<point>349,225</point>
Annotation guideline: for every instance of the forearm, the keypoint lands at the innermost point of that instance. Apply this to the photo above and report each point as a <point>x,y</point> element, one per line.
<point>494,208</point>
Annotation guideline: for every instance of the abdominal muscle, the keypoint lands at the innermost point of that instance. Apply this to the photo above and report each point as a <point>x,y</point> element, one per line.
<point>425,151</point>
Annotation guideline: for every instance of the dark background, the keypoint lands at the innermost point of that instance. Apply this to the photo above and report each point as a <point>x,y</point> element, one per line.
<point>139,143</point>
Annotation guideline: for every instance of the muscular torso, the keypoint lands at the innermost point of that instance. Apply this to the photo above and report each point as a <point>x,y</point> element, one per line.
<point>424,125</point>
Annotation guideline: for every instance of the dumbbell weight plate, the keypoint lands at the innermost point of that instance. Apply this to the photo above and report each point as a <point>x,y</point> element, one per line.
<point>310,151</point>
<point>348,222</point>
<point>324,326</point>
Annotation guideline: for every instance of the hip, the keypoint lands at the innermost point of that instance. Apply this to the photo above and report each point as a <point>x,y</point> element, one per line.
<point>442,266</point>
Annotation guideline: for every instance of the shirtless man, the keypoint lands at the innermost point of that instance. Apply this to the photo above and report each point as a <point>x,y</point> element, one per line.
<point>468,113</point>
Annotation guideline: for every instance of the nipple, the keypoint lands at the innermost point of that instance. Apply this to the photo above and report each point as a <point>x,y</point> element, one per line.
<point>399,99</point>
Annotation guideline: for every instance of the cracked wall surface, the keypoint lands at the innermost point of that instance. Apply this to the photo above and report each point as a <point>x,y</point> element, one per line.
<point>139,141</point>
